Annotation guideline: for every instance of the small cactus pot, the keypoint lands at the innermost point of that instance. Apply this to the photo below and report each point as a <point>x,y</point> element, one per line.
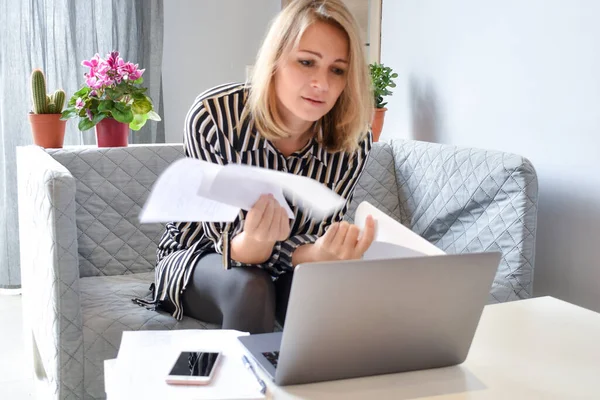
<point>48,130</point>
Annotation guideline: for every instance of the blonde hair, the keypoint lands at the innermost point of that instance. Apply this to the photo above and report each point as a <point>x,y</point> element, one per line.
<point>348,121</point>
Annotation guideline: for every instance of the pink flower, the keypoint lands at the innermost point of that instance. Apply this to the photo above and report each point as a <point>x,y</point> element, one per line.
<point>130,71</point>
<point>110,72</point>
<point>89,114</point>
<point>105,80</point>
<point>117,78</point>
<point>93,63</point>
<point>93,82</point>
<point>103,68</point>
<point>113,60</point>
<point>79,103</point>
<point>136,74</point>
<point>97,77</point>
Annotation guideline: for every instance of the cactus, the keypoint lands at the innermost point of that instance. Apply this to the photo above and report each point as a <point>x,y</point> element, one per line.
<point>38,90</point>
<point>44,103</point>
<point>59,99</point>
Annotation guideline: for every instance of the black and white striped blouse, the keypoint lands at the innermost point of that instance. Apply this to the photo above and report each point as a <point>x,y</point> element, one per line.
<point>211,134</point>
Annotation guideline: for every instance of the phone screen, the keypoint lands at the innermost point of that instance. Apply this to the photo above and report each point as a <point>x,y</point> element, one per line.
<point>192,363</point>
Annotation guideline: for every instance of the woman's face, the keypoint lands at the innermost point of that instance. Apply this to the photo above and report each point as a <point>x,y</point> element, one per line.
<point>310,79</point>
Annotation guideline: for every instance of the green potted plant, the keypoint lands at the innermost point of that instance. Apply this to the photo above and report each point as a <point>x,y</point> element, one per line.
<point>47,128</point>
<point>381,80</point>
<point>112,100</point>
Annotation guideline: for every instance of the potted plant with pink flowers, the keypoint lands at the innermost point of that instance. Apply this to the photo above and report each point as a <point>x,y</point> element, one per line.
<point>112,100</point>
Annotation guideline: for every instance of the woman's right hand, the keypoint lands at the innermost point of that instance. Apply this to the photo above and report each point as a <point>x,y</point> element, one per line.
<point>266,223</point>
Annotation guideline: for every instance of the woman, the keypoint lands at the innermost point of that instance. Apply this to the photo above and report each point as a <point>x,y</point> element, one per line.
<point>306,112</point>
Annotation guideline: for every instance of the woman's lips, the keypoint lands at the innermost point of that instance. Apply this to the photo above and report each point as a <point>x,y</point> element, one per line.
<point>314,102</point>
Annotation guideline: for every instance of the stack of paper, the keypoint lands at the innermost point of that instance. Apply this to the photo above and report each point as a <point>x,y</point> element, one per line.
<point>146,357</point>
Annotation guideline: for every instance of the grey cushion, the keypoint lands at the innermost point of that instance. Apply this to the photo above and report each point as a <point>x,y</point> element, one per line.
<point>112,187</point>
<point>377,184</point>
<point>468,200</point>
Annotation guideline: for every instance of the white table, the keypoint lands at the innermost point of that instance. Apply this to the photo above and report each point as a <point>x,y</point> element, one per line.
<point>540,348</point>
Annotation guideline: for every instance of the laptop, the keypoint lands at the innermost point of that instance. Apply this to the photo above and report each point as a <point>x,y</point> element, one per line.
<point>370,317</point>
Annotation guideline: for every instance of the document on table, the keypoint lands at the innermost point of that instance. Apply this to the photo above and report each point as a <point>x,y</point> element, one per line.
<point>195,190</point>
<point>146,357</point>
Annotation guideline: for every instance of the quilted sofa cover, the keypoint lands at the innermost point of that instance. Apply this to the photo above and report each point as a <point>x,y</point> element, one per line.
<point>84,255</point>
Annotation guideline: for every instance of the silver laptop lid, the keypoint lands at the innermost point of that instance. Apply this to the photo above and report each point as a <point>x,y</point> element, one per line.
<point>361,318</point>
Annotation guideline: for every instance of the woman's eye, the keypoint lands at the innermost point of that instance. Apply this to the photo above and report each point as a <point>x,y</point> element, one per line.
<point>306,63</point>
<point>338,71</point>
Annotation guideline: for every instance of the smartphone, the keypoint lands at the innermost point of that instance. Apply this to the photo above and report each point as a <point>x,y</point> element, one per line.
<point>194,368</point>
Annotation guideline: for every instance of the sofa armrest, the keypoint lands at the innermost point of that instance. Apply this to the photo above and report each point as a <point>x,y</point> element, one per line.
<point>470,200</point>
<point>50,271</point>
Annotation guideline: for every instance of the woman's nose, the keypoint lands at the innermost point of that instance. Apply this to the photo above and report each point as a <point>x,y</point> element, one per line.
<point>320,81</point>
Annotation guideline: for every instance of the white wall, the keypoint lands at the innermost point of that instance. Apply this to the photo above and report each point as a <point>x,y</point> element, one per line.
<point>207,43</point>
<point>519,76</point>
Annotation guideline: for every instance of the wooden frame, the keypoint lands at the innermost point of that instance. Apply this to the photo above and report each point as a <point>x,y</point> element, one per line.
<point>374,51</point>
<point>375,31</point>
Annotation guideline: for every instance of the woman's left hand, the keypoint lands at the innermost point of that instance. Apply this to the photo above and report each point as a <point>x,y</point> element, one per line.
<point>342,241</point>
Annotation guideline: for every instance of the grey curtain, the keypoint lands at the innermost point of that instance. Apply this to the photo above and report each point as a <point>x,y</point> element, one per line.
<point>56,35</point>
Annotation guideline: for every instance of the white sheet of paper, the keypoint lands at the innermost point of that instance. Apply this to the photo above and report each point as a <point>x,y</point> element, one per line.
<point>312,195</point>
<point>174,196</point>
<point>244,192</point>
<point>383,250</point>
<point>196,190</point>
<point>146,357</point>
<point>388,230</point>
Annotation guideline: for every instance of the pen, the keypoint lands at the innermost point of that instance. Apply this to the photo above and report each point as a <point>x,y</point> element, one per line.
<point>263,386</point>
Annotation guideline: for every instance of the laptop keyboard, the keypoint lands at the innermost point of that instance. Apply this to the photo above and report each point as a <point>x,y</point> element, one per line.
<point>272,357</point>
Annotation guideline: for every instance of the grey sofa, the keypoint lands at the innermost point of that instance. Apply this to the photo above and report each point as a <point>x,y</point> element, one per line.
<point>84,255</point>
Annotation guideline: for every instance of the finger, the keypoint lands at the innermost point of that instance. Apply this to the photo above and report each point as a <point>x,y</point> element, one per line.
<point>351,239</point>
<point>284,224</point>
<point>266,222</point>
<point>338,241</point>
<point>330,234</point>
<point>275,230</point>
<point>255,214</point>
<point>367,237</point>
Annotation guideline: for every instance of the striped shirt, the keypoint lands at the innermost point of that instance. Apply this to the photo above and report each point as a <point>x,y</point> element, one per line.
<point>212,134</point>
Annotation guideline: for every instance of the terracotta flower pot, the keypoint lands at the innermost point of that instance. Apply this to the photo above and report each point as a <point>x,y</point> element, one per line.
<point>377,124</point>
<point>112,133</point>
<point>48,130</point>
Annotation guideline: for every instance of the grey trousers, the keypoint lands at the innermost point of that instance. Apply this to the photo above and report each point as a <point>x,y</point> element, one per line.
<point>246,299</point>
